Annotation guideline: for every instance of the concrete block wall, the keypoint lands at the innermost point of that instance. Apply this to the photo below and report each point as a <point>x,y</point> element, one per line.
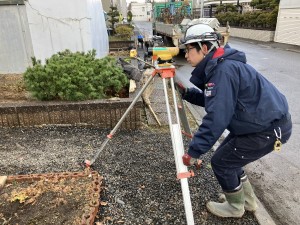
<point>99,113</point>
<point>258,35</point>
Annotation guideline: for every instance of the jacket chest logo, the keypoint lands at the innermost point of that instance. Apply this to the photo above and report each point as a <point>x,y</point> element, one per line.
<point>209,89</point>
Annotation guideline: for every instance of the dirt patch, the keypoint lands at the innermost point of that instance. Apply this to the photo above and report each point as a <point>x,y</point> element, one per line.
<point>52,199</point>
<point>12,88</point>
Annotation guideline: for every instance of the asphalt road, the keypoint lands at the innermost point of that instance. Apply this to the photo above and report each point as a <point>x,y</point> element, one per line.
<point>276,176</point>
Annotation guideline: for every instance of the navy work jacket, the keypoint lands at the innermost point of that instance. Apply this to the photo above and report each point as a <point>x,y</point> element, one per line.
<point>235,96</point>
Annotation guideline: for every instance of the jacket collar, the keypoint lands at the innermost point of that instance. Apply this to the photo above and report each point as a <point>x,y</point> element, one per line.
<point>198,74</point>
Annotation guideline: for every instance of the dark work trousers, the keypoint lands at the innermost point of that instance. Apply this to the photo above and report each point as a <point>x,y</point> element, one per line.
<point>146,45</point>
<point>237,151</point>
<point>141,42</point>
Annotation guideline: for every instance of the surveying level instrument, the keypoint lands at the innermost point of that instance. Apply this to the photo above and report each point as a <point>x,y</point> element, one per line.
<point>163,57</point>
<point>166,71</point>
<point>163,54</point>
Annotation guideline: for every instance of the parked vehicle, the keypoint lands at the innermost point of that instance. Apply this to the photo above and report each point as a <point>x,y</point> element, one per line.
<point>171,20</point>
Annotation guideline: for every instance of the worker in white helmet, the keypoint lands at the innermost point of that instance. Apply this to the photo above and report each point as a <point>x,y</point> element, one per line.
<point>238,98</point>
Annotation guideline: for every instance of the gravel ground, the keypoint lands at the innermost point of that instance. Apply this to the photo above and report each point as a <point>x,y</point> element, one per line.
<point>138,167</point>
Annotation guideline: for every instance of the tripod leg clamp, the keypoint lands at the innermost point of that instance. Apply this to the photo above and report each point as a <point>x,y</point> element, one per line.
<point>185,174</point>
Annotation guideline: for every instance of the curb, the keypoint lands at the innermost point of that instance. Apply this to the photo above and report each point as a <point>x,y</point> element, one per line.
<point>261,214</point>
<point>275,45</point>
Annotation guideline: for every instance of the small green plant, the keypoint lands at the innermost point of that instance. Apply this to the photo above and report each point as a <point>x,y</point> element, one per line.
<point>113,17</point>
<point>129,16</point>
<point>124,31</point>
<point>75,76</point>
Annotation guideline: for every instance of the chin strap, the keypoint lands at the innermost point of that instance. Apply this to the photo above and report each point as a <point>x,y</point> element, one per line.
<point>215,44</point>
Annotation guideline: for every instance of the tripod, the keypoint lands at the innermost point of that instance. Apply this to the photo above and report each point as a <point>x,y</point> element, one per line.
<point>166,71</point>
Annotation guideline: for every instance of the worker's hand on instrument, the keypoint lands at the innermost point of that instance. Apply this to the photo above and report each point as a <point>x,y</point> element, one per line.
<point>190,161</point>
<point>182,89</point>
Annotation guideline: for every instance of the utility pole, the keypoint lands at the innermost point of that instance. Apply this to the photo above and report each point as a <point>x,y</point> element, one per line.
<point>202,9</point>
<point>239,7</point>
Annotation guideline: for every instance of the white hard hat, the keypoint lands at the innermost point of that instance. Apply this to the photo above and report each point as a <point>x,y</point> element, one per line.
<point>199,33</point>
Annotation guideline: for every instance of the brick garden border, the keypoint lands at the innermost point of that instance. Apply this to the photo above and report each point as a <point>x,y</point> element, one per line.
<point>98,113</point>
<point>120,45</point>
<point>91,208</point>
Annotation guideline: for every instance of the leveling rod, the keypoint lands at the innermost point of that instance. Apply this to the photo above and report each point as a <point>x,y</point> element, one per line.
<point>177,143</point>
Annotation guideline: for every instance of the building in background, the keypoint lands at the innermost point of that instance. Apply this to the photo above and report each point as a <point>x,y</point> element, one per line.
<point>120,4</point>
<point>106,4</point>
<point>141,11</point>
<point>210,6</point>
<point>288,23</point>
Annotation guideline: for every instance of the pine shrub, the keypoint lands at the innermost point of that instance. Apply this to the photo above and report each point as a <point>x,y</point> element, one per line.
<point>75,77</point>
<point>263,17</point>
<point>124,31</point>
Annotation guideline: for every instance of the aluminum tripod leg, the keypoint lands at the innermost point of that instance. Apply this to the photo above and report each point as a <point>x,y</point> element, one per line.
<point>113,131</point>
<point>178,149</point>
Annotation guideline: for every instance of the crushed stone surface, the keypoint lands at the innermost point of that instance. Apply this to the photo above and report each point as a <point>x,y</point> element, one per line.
<point>140,185</point>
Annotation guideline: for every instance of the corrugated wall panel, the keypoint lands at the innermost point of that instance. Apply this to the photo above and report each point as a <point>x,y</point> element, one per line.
<point>77,25</point>
<point>15,41</point>
<point>288,26</point>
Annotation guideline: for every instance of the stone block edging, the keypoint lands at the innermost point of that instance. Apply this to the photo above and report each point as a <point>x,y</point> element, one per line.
<point>98,113</point>
<point>120,45</point>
